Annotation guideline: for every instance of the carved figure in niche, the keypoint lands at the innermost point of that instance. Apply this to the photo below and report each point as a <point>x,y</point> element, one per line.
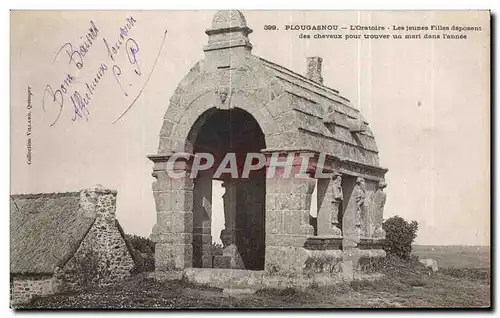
<point>337,199</point>
<point>360,195</point>
<point>378,209</point>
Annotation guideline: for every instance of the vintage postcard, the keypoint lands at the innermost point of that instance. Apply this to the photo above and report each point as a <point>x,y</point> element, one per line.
<point>250,159</point>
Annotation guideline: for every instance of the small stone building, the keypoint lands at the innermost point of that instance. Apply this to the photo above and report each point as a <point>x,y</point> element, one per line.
<point>60,241</point>
<point>234,101</point>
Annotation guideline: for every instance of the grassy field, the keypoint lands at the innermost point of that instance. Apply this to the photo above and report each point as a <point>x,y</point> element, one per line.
<point>405,284</point>
<point>455,256</point>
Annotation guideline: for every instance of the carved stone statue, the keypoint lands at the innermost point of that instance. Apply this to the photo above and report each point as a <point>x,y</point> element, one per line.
<point>378,209</point>
<point>360,195</point>
<point>337,199</point>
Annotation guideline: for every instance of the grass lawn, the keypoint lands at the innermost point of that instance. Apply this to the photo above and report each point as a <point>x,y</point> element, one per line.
<point>404,285</point>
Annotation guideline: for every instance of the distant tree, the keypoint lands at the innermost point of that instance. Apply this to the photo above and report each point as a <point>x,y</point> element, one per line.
<point>400,234</point>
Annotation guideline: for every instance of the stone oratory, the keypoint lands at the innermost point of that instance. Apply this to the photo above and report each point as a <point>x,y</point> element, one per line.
<point>233,101</point>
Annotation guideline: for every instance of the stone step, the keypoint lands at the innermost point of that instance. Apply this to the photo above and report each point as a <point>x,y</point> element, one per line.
<point>238,291</point>
<point>224,278</point>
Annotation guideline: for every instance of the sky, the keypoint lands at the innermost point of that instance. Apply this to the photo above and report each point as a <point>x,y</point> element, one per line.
<point>427,102</point>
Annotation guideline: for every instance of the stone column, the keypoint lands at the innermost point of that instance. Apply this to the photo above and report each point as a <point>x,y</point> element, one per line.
<point>378,210</point>
<point>250,221</point>
<point>288,200</point>
<point>202,222</point>
<point>173,231</point>
<point>354,195</point>
<point>231,257</point>
<point>329,199</point>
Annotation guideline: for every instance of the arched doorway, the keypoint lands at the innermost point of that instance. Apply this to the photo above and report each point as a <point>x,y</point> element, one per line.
<point>223,132</point>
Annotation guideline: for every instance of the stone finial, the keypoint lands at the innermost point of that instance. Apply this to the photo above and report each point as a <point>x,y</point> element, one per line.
<point>229,29</point>
<point>314,67</point>
<point>225,19</point>
<point>228,43</point>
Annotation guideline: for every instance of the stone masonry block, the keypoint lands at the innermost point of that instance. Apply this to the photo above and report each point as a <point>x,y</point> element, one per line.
<point>274,222</point>
<point>180,131</point>
<point>271,202</point>
<point>182,222</point>
<point>292,222</point>
<point>165,145</point>
<point>285,240</point>
<point>172,238</point>
<point>279,106</point>
<point>285,260</point>
<point>162,181</point>
<point>181,200</point>
<point>163,200</point>
<point>184,183</point>
<point>172,257</point>
<point>166,128</point>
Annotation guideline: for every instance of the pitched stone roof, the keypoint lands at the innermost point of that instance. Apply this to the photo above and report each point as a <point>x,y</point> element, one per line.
<point>295,112</point>
<point>45,231</point>
<point>311,102</point>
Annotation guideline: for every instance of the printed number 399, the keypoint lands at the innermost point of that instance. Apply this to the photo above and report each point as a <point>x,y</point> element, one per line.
<point>270,27</point>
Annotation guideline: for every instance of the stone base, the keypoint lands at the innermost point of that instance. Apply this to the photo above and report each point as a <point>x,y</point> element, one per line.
<point>246,281</point>
<point>221,261</point>
<point>379,233</point>
<point>238,281</point>
<point>310,268</point>
<point>230,258</point>
<point>238,291</point>
<point>162,276</point>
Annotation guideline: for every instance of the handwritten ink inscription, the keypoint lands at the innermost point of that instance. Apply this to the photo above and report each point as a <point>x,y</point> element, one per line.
<point>71,90</point>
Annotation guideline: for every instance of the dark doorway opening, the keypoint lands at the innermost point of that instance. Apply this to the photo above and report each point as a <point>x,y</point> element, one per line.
<point>220,132</point>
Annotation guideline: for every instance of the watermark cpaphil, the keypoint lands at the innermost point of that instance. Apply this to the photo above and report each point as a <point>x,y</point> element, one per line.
<point>240,166</point>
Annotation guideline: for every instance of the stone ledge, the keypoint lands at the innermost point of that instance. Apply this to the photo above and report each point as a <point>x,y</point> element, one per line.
<point>323,243</point>
<point>166,275</point>
<point>237,281</point>
<point>371,244</point>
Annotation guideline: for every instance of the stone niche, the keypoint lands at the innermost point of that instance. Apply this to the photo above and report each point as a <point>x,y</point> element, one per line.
<point>235,102</point>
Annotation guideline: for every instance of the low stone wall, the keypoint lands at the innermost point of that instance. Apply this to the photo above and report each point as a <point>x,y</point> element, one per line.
<point>370,260</point>
<point>326,262</point>
<point>254,280</point>
<point>23,288</point>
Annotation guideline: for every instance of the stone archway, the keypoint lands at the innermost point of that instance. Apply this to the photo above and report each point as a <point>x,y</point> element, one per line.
<point>282,115</point>
<point>221,132</point>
